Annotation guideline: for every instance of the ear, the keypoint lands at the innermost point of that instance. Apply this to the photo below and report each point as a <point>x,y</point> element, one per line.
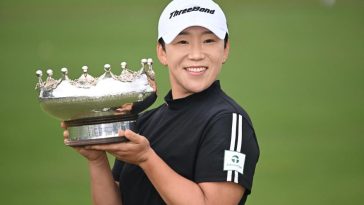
<point>161,54</point>
<point>226,51</point>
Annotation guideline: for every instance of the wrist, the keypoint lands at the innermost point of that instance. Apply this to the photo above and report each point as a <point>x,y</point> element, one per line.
<point>99,160</point>
<point>150,155</point>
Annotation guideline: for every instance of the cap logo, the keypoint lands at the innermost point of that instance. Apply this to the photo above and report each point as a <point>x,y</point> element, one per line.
<point>196,8</point>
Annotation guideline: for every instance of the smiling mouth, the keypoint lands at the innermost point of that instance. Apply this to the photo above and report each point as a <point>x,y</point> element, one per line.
<point>196,69</point>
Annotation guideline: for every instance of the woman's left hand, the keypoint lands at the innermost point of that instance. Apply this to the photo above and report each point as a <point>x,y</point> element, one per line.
<point>135,151</point>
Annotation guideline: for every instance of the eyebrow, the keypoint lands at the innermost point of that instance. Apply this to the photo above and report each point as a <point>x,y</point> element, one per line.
<point>186,32</point>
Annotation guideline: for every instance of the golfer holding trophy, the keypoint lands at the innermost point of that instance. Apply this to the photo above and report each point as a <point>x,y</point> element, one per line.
<point>198,147</point>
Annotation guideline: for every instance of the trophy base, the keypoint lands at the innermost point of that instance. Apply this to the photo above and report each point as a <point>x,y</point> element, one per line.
<point>108,140</point>
<point>99,130</point>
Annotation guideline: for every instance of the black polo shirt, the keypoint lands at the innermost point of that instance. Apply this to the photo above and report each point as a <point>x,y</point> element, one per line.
<point>205,137</point>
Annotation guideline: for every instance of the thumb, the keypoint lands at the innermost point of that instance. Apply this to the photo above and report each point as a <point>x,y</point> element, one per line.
<point>121,133</point>
<point>132,136</point>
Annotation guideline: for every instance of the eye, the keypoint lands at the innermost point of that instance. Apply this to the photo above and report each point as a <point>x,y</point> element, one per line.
<point>183,42</point>
<point>210,40</point>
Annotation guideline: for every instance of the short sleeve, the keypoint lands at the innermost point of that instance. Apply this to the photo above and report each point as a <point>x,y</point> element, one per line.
<point>228,151</point>
<point>116,169</point>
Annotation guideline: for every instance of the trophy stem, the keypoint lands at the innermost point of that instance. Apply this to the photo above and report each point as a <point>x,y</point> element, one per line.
<point>99,130</point>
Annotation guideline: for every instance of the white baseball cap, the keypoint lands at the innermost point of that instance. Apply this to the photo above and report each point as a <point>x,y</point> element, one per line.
<point>181,14</point>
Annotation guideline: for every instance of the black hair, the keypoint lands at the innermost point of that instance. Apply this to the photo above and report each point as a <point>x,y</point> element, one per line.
<point>163,44</point>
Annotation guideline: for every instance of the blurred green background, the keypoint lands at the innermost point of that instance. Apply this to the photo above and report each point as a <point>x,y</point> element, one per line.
<point>296,66</point>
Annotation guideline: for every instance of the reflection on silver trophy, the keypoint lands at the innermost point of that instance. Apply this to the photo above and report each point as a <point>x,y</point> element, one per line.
<point>94,109</point>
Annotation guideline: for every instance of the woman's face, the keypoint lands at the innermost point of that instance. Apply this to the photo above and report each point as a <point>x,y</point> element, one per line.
<point>194,59</point>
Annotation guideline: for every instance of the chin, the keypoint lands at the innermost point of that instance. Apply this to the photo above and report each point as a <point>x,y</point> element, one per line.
<point>198,88</point>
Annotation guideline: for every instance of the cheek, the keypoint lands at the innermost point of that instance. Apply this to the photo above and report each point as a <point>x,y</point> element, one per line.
<point>218,59</point>
<point>174,61</point>
<point>217,53</point>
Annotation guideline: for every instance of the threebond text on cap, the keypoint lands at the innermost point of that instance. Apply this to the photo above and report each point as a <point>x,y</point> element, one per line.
<point>181,14</point>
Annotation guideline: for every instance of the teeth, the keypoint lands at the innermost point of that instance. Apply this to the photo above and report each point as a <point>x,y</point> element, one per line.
<point>196,70</point>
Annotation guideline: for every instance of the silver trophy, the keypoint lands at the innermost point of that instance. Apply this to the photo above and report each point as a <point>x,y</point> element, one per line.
<point>95,109</point>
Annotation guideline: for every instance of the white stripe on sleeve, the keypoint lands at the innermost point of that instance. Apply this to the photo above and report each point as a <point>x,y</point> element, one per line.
<point>232,143</point>
<point>237,122</point>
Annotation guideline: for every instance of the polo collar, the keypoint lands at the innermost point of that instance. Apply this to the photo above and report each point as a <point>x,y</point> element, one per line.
<point>196,97</point>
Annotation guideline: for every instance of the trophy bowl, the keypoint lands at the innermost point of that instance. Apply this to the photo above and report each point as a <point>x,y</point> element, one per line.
<point>95,109</point>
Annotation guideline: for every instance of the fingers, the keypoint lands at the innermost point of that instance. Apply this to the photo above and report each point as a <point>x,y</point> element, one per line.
<point>133,137</point>
<point>63,125</point>
<point>135,140</point>
<point>65,133</point>
<point>121,133</point>
<point>106,147</point>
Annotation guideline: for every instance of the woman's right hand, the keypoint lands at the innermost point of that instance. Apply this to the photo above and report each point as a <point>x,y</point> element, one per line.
<point>89,154</point>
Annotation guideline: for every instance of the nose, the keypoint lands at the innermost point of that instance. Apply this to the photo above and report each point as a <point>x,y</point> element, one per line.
<point>196,52</point>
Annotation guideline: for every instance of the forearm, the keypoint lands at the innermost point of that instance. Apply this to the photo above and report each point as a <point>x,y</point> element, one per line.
<point>103,187</point>
<point>172,187</point>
